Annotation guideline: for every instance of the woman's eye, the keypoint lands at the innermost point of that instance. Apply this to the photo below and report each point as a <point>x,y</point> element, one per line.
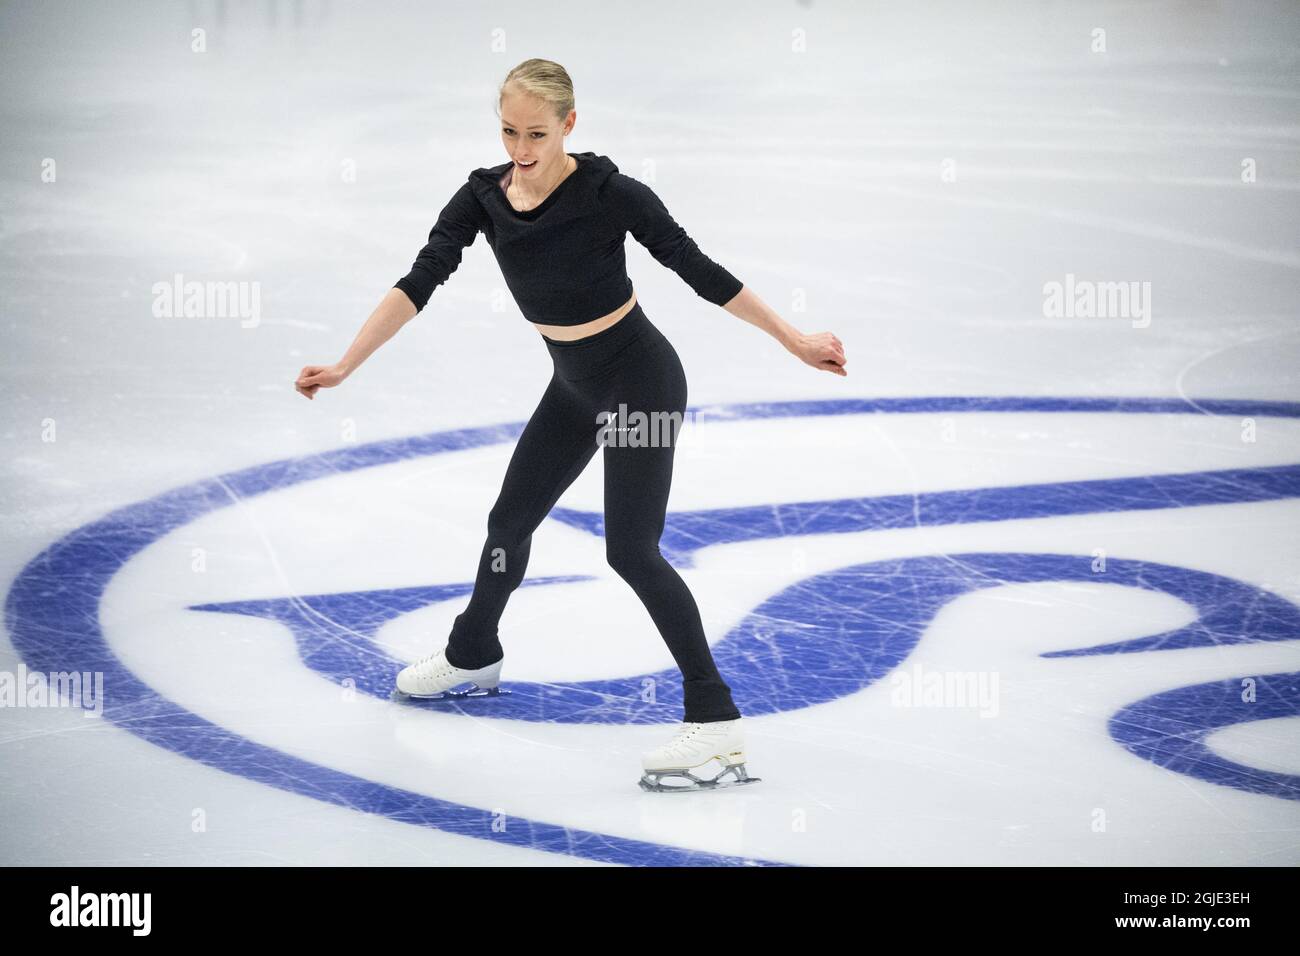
<point>539,135</point>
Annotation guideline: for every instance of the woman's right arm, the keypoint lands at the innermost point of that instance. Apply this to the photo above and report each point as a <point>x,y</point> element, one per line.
<point>393,312</point>
<point>458,224</point>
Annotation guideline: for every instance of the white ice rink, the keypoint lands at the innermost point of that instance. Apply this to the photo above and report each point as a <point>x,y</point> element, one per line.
<point>1088,521</point>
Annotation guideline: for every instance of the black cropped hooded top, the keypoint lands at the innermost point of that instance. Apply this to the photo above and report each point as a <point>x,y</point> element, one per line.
<point>563,260</point>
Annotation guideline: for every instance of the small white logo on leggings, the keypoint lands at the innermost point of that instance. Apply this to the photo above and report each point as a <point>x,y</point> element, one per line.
<point>637,429</point>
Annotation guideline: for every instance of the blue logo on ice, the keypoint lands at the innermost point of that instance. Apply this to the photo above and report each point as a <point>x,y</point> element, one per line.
<point>846,628</point>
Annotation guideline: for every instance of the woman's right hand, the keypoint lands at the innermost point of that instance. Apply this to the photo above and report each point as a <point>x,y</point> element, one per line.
<point>313,377</point>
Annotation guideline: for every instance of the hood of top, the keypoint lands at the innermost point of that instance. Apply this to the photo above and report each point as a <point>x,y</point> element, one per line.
<point>593,169</point>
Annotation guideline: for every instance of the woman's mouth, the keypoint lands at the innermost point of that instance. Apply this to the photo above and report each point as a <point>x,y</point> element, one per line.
<point>526,165</point>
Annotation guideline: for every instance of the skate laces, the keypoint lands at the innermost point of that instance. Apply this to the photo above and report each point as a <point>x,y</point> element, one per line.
<point>428,659</point>
<point>684,735</point>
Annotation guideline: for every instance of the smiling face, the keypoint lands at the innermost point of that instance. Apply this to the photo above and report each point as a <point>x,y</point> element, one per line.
<point>534,137</point>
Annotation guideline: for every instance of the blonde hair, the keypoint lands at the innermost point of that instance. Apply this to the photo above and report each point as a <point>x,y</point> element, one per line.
<point>546,80</point>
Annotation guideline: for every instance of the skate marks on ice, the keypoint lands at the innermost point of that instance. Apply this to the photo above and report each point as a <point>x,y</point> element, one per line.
<point>52,613</point>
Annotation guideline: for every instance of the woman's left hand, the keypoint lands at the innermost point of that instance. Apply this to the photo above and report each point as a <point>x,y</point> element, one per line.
<point>821,350</point>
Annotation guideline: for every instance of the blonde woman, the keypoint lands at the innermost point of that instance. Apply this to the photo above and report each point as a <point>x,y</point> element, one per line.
<point>556,222</point>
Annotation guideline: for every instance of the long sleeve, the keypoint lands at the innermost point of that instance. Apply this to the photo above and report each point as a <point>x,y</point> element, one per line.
<point>457,226</point>
<point>650,223</point>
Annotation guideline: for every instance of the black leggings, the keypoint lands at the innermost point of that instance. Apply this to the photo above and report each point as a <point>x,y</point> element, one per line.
<point>630,363</point>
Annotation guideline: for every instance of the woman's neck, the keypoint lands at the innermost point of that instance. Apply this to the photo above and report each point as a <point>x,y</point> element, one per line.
<point>533,201</point>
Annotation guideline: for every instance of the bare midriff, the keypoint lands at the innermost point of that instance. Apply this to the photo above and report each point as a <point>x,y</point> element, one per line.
<point>570,333</point>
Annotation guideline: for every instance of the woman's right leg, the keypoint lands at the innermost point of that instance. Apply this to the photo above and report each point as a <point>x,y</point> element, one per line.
<point>553,449</point>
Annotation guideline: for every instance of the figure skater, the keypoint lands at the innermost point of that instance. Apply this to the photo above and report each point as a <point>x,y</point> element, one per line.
<point>556,222</point>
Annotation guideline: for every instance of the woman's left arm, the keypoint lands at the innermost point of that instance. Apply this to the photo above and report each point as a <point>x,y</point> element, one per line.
<point>820,350</point>
<point>647,218</point>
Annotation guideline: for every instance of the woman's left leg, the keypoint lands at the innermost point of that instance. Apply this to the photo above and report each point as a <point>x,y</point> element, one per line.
<point>638,477</point>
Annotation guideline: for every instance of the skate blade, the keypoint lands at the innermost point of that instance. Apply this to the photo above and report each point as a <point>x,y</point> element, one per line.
<point>472,691</point>
<point>735,776</point>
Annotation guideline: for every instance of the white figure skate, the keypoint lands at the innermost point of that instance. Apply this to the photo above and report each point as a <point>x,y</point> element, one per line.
<point>715,746</point>
<point>433,678</point>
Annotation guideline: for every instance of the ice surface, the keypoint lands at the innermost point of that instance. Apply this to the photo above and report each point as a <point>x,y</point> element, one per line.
<point>1080,533</point>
